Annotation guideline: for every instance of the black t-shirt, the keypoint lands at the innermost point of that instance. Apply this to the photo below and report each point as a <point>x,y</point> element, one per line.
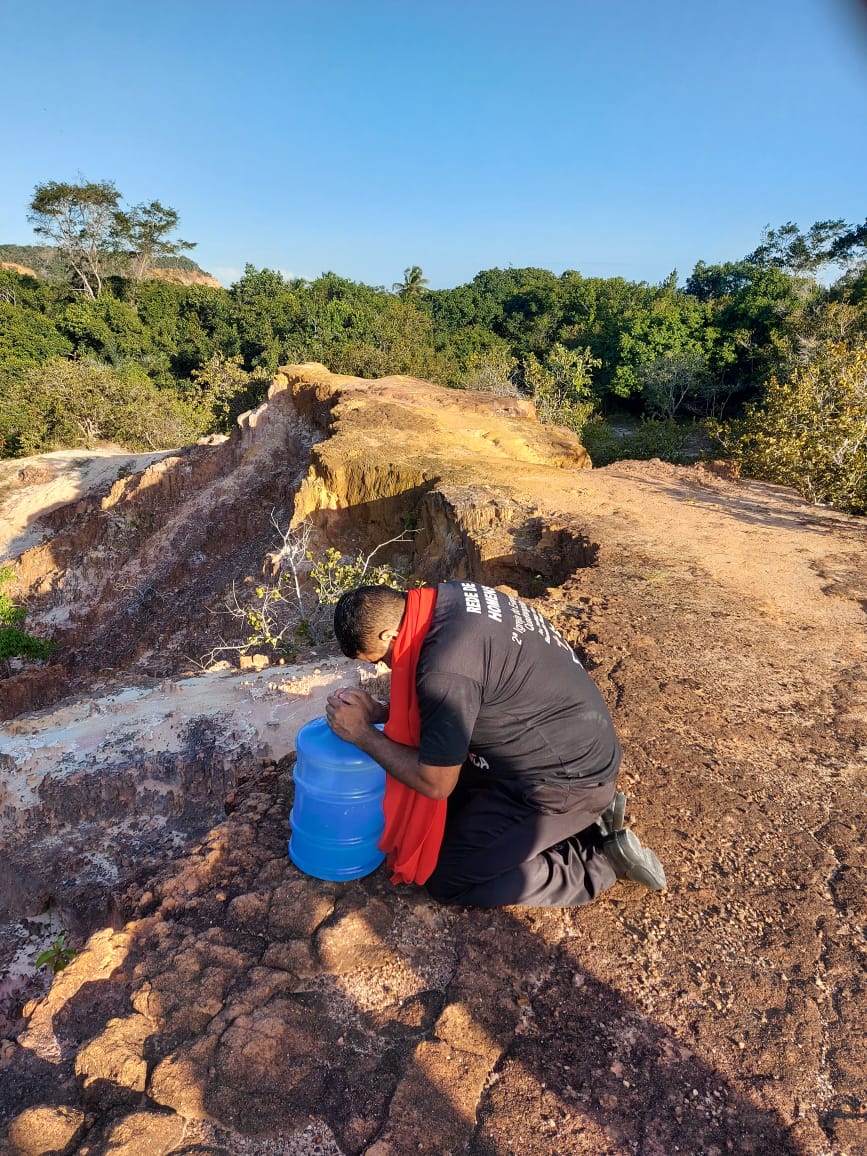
<point>499,685</point>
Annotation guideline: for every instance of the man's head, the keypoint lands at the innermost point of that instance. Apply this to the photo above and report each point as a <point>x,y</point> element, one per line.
<point>367,621</point>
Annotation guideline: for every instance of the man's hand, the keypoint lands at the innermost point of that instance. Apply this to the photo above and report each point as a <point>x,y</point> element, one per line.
<point>351,713</point>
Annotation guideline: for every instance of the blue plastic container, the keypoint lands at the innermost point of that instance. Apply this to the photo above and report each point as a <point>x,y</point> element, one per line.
<point>337,817</point>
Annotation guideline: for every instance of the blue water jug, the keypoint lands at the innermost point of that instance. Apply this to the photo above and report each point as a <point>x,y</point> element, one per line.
<point>337,817</point>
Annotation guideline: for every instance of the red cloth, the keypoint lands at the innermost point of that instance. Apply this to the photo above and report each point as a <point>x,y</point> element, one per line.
<point>414,824</point>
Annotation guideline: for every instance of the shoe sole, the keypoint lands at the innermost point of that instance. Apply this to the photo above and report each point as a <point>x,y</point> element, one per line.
<point>612,818</point>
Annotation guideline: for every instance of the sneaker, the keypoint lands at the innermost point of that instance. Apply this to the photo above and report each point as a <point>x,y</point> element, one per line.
<point>612,817</point>
<point>631,861</point>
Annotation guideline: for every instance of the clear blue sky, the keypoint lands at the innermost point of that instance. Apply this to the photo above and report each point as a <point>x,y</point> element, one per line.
<point>616,137</point>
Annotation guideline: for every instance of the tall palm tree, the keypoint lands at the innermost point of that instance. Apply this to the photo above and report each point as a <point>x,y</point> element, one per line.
<point>414,282</point>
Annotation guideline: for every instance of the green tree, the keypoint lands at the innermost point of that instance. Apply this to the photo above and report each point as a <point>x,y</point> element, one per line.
<point>451,310</point>
<point>186,325</point>
<point>850,251</point>
<point>350,327</point>
<point>851,246</point>
<point>753,311</point>
<point>27,338</point>
<point>269,315</point>
<point>106,329</point>
<point>532,314</point>
<point>375,334</point>
<point>143,231</point>
<point>16,287</point>
<point>786,247</point>
<point>96,237</point>
<point>81,221</point>
<point>662,335</point>
<point>673,377</point>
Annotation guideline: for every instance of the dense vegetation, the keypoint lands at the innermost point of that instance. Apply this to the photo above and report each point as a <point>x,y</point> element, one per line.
<point>97,348</point>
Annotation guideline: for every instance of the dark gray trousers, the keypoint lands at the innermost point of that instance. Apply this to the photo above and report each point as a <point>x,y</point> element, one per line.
<point>536,846</point>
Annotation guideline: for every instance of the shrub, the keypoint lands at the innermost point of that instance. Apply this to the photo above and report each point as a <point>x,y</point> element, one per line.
<point>810,430</point>
<point>492,371</point>
<point>662,438</point>
<point>601,442</point>
<point>71,403</point>
<point>561,386</point>
<point>226,390</point>
<point>295,608</point>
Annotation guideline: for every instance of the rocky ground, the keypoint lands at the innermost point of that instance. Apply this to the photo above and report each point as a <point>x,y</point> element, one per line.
<point>225,1003</point>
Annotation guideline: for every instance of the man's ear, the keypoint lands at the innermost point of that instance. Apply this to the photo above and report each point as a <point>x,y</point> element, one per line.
<point>387,636</point>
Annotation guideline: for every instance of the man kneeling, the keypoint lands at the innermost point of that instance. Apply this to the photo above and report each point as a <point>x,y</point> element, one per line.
<point>507,727</point>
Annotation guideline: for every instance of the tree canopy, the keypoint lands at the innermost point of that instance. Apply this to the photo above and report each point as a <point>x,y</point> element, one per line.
<point>144,232</point>
<point>95,236</point>
<point>80,221</point>
<point>726,342</point>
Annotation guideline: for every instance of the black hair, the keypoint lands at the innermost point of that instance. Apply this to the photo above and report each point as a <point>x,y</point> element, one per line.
<point>363,613</point>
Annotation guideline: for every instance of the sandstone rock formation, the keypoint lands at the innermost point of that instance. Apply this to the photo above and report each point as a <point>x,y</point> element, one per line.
<point>14,267</point>
<point>178,276</point>
<point>186,277</point>
<point>132,574</point>
<point>222,1002</point>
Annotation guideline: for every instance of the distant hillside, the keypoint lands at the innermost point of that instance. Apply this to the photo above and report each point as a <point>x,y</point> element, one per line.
<point>45,262</point>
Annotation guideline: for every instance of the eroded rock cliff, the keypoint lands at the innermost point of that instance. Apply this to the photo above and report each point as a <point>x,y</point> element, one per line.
<point>132,575</point>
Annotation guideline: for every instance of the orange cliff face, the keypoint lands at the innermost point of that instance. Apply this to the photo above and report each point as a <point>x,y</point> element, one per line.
<point>186,277</point>
<point>16,268</point>
<point>178,276</point>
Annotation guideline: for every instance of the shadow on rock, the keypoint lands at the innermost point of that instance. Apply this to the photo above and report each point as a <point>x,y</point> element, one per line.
<point>245,998</point>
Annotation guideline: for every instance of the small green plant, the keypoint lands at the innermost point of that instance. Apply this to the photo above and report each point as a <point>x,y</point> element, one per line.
<point>294,609</point>
<point>14,642</point>
<point>335,573</point>
<point>142,521</point>
<point>57,956</point>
